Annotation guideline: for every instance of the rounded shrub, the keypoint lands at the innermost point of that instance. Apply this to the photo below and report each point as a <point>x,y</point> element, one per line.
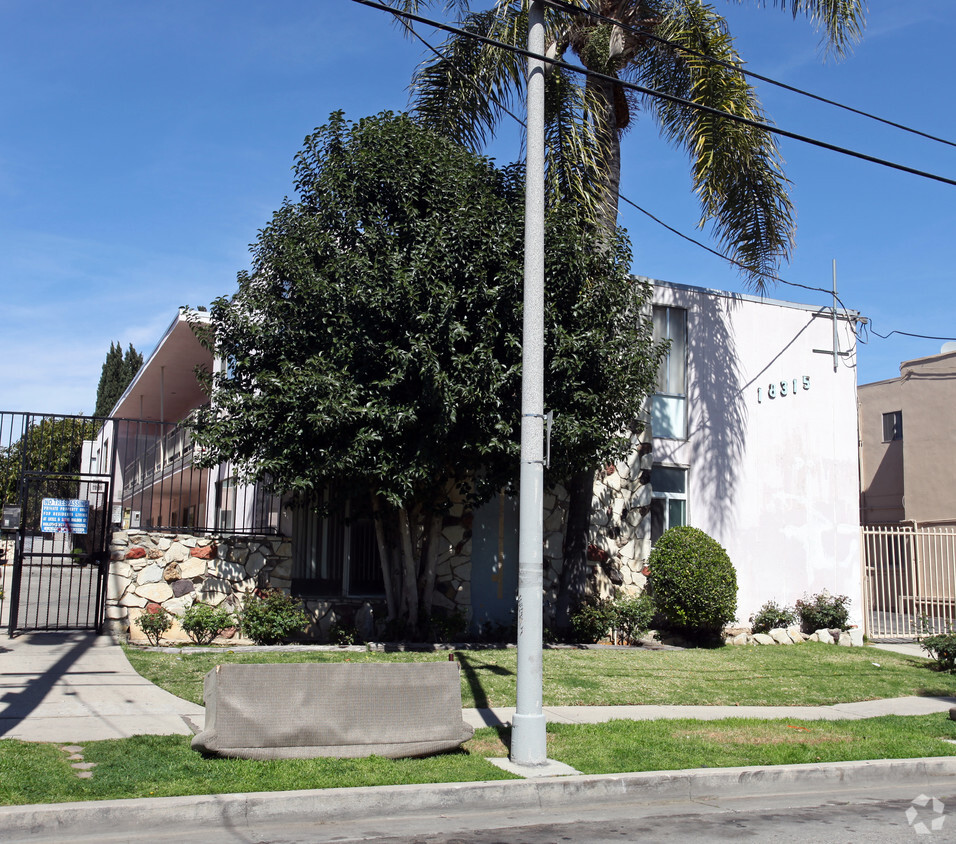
<point>204,623</point>
<point>693,583</point>
<point>271,617</point>
<point>824,610</point>
<point>592,620</point>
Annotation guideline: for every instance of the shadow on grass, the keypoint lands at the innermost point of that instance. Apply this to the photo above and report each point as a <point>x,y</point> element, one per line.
<point>471,666</point>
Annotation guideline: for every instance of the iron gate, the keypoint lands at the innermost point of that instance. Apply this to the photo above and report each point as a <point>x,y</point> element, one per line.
<point>61,556</point>
<point>909,580</point>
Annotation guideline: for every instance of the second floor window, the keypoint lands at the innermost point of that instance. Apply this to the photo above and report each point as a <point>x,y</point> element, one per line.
<point>893,426</point>
<point>669,403</point>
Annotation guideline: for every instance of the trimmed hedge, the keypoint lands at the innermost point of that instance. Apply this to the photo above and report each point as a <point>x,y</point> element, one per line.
<point>693,583</point>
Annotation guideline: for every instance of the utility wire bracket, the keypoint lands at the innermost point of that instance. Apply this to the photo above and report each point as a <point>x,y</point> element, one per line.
<point>549,424</point>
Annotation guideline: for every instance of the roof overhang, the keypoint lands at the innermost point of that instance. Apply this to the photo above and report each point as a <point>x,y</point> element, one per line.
<point>166,388</point>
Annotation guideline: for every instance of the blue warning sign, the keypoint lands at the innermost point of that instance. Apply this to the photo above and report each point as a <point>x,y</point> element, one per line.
<point>64,515</point>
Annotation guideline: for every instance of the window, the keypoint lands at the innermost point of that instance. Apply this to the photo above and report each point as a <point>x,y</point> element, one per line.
<point>669,403</point>
<point>226,504</point>
<point>669,499</point>
<point>336,554</point>
<point>893,426</point>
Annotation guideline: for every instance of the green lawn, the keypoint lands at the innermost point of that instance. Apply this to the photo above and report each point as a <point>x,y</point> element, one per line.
<point>161,766</point>
<point>810,674</point>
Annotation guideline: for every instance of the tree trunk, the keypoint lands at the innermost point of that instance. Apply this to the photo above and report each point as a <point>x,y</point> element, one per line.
<point>384,557</point>
<point>410,580</point>
<point>431,560</point>
<point>574,574</point>
<point>608,133</point>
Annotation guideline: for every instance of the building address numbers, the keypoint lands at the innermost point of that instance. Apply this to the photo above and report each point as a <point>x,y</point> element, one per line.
<point>780,389</point>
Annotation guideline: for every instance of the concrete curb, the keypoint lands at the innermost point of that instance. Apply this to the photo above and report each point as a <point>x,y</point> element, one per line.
<point>340,804</point>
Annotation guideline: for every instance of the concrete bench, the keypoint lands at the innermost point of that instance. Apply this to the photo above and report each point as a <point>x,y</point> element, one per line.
<point>304,710</point>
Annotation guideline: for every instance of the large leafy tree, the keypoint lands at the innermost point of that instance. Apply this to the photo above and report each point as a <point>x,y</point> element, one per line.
<point>374,348</point>
<point>52,445</point>
<point>678,47</point>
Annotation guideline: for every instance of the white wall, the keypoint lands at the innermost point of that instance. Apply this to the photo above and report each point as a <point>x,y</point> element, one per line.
<point>774,480</point>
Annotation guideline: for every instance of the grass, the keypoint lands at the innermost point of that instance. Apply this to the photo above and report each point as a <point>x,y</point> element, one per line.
<point>810,674</point>
<point>162,766</point>
<point>166,766</point>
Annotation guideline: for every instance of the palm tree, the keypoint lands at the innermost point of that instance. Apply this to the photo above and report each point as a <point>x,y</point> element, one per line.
<point>682,48</point>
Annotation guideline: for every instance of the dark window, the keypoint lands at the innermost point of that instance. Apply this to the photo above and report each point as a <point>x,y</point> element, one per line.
<point>893,426</point>
<point>669,499</point>
<point>336,554</point>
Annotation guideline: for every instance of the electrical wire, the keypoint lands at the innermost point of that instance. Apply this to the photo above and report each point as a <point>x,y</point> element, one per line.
<point>772,276</point>
<point>566,7</point>
<point>865,326</point>
<point>641,89</point>
<point>907,334</point>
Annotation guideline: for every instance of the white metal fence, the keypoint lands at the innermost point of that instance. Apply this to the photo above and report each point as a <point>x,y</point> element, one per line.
<point>909,580</point>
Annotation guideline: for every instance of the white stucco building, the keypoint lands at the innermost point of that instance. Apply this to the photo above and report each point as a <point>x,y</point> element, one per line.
<point>755,439</point>
<point>752,438</point>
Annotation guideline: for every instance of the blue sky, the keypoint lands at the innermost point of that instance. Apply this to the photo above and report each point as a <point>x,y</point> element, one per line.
<point>143,144</point>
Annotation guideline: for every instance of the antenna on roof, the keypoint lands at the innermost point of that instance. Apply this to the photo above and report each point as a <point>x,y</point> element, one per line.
<point>835,351</point>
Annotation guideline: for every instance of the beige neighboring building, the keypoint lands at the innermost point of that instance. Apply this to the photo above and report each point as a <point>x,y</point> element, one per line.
<point>908,444</point>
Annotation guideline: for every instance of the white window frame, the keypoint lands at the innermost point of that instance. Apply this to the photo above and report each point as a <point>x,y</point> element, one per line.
<point>667,497</point>
<point>669,402</point>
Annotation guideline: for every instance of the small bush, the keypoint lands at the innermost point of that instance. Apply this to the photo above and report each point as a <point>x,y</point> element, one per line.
<point>632,617</point>
<point>448,626</point>
<point>591,621</point>
<point>770,616</point>
<point>942,648</point>
<point>154,622</point>
<point>627,617</point>
<point>693,583</point>
<point>343,634</point>
<point>824,611</point>
<point>270,617</point>
<point>203,623</point>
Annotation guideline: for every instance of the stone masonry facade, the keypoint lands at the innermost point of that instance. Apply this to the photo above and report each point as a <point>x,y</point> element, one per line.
<point>176,570</point>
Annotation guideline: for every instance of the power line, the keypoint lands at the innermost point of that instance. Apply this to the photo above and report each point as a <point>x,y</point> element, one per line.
<point>566,7</point>
<point>641,89</point>
<point>907,334</point>
<point>772,276</point>
<point>866,326</point>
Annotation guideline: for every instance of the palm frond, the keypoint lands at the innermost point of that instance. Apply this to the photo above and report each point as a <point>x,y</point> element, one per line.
<point>841,21</point>
<point>573,157</point>
<point>463,93</point>
<point>737,172</point>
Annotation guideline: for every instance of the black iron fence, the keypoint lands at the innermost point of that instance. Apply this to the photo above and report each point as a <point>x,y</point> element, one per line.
<point>141,472</point>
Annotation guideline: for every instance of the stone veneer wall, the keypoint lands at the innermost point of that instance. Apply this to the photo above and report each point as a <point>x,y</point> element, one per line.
<point>620,531</point>
<point>175,570</point>
<point>619,536</point>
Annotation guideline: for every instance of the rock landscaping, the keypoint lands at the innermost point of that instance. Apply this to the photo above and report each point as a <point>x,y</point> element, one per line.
<point>793,636</point>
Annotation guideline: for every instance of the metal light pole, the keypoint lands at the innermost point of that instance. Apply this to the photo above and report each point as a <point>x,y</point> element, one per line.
<point>528,734</point>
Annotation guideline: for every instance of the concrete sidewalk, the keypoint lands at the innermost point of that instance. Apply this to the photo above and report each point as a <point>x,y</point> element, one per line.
<point>69,687</point>
<point>75,687</point>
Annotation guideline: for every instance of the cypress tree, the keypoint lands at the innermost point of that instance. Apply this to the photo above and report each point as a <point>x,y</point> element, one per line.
<point>117,373</point>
